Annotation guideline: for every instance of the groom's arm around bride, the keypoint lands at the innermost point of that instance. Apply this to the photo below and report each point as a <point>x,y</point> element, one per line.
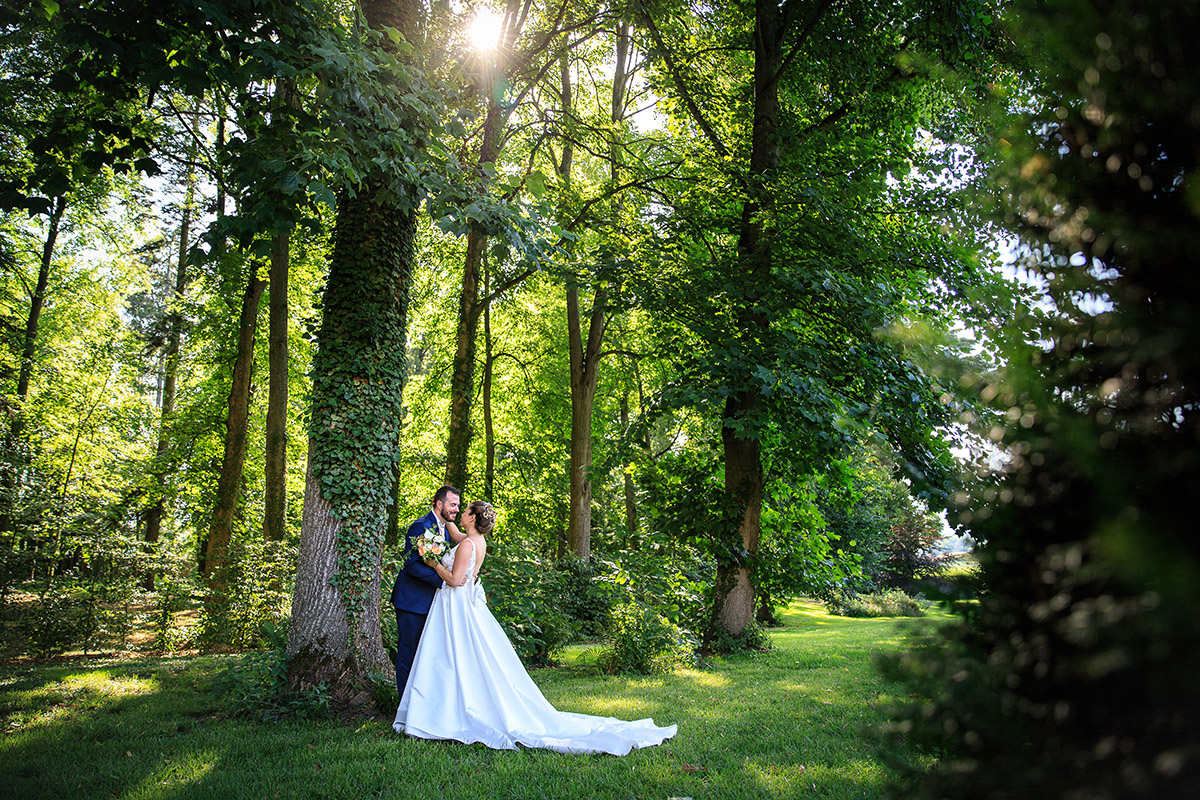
<point>416,584</point>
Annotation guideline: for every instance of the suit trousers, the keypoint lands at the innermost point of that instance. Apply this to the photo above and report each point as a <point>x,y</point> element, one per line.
<point>408,635</point>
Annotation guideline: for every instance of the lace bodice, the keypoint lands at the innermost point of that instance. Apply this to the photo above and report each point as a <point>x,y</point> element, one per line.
<point>448,563</point>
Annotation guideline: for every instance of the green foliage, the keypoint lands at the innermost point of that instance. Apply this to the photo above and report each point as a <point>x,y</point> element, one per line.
<point>753,638</point>
<point>358,379</point>
<point>60,622</point>
<point>527,607</point>
<point>800,555</point>
<point>888,603</point>
<point>255,685</point>
<point>171,595</point>
<point>257,598</point>
<point>1075,674</point>
<point>584,597</point>
<point>911,557</point>
<point>640,639</point>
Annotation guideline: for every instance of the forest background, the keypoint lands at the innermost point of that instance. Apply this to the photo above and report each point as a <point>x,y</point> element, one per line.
<point>274,272</point>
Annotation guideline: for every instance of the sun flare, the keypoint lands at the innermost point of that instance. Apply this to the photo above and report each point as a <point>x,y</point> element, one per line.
<point>484,31</point>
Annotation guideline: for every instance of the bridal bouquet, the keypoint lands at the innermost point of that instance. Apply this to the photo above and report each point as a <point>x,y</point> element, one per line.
<point>430,545</point>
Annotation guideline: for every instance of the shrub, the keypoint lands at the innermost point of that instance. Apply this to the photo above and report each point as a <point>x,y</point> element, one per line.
<point>255,684</point>
<point>889,603</point>
<point>257,594</point>
<point>61,621</point>
<point>640,639</point>
<point>753,638</point>
<point>171,597</point>
<point>583,597</point>
<point>526,607</point>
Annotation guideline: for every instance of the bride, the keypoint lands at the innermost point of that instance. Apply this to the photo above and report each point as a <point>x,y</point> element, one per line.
<point>467,683</point>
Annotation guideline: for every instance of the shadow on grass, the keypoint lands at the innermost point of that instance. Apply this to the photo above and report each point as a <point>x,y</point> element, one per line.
<point>768,725</point>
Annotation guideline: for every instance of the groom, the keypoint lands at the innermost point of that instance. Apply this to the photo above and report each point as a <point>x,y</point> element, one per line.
<point>415,585</point>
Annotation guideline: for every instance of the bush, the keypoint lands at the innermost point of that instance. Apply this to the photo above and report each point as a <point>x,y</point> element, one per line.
<point>753,638</point>
<point>60,622</point>
<point>889,603</point>
<point>583,597</point>
<point>257,595</point>
<point>525,605</point>
<point>255,684</point>
<point>171,597</point>
<point>640,639</point>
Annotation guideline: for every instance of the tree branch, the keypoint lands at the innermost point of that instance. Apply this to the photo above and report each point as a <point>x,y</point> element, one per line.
<point>684,93</point>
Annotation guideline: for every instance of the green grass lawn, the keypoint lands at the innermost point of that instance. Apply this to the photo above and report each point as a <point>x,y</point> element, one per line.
<point>783,724</point>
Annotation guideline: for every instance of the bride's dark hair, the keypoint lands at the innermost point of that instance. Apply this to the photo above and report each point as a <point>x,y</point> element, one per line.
<point>485,516</point>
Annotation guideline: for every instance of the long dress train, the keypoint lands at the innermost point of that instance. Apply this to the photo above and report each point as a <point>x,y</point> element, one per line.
<point>467,684</point>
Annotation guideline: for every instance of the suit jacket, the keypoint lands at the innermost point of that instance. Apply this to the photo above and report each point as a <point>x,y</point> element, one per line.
<point>417,582</point>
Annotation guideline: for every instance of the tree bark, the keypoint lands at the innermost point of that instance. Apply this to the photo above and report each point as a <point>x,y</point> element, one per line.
<point>275,469</point>
<point>28,352</point>
<point>631,516</point>
<point>322,647</point>
<point>367,298</point>
<point>229,484</point>
<point>287,101</point>
<point>489,434</point>
<point>29,347</point>
<point>734,601</point>
<point>585,374</point>
<point>462,373</point>
<point>471,304</point>
<point>470,307</point>
<point>585,356</point>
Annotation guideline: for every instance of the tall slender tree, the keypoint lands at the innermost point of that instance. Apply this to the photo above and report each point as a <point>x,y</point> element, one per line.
<point>229,483</point>
<point>171,355</point>
<point>507,74</point>
<point>797,260</point>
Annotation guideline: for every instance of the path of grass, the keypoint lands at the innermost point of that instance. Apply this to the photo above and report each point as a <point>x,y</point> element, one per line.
<point>778,725</point>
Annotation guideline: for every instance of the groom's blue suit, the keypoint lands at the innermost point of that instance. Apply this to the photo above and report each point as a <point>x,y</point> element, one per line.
<point>411,597</point>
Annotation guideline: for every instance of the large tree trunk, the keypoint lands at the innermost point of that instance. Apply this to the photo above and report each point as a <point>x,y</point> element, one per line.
<point>334,634</point>
<point>734,602</point>
<point>229,484</point>
<point>154,514</point>
<point>275,470</point>
<point>358,380</point>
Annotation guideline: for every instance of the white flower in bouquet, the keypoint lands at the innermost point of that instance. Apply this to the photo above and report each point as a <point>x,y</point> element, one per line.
<point>431,545</point>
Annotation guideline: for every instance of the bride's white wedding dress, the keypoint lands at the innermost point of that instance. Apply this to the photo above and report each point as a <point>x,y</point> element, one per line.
<point>467,684</point>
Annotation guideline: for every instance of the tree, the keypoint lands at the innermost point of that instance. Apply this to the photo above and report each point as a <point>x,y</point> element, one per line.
<point>359,372</point>
<point>806,241</point>
<point>216,554</point>
<point>57,148</point>
<point>171,357</point>
<point>1075,675</point>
